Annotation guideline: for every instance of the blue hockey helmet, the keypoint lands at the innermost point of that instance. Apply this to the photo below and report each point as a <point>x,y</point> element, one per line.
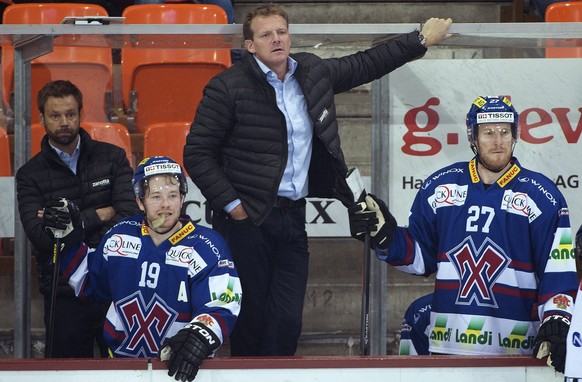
<point>490,109</point>
<point>157,165</point>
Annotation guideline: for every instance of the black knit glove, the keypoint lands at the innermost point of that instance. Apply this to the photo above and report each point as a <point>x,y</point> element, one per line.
<point>186,350</point>
<point>551,341</point>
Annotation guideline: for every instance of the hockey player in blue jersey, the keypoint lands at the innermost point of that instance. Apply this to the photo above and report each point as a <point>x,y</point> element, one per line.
<point>497,236</point>
<point>173,287</point>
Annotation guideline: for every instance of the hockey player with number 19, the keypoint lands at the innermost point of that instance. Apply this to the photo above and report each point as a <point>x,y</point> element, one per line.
<point>498,237</point>
<point>173,287</point>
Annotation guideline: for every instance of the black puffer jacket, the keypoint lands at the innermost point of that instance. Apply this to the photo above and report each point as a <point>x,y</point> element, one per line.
<point>103,179</point>
<point>237,146</point>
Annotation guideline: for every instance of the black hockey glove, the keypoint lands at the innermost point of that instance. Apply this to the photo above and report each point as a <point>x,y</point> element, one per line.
<point>361,221</point>
<point>382,234</point>
<point>551,341</point>
<point>187,349</point>
<point>62,218</point>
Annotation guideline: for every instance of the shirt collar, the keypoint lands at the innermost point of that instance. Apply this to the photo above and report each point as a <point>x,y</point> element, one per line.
<point>61,152</point>
<point>291,67</point>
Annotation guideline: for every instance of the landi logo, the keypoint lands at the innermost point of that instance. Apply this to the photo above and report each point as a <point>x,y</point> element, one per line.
<point>564,250</point>
<point>517,338</point>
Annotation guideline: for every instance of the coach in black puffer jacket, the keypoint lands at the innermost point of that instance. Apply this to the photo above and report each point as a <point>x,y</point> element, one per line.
<point>237,147</point>
<point>265,136</point>
<point>103,179</point>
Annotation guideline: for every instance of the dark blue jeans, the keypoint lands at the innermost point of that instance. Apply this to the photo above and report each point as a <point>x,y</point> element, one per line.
<point>272,262</point>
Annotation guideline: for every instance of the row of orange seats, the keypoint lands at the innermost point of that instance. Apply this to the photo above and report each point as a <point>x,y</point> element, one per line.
<point>165,138</point>
<point>158,85</point>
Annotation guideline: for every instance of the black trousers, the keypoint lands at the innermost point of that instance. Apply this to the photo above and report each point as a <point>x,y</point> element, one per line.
<point>78,326</point>
<point>272,262</point>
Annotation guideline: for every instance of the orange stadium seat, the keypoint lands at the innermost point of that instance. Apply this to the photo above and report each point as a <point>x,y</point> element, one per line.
<point>114,133</point>
<point>5,166</point>
<point>166,139</point>
<point>90,68</point>
<point>570,11</point>
<point>165,85</point>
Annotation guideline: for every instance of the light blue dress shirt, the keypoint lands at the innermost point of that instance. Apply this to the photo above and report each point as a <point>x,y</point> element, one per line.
<point>291,101</point>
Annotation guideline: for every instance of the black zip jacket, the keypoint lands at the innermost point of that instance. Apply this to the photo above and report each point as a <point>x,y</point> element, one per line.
<point>237,145</point>
<point>103,179</point>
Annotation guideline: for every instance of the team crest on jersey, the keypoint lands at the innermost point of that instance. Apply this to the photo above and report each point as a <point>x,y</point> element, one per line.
<point>562,301</point>
<point>448,195</point>
<point>122,245</point>
<point>145,324</point>
<point>521,204</point>
<point>478,270</point>
<point>206,319</point>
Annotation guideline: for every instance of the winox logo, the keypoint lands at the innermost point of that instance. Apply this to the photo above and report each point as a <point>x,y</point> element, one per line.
<point>478,270</point>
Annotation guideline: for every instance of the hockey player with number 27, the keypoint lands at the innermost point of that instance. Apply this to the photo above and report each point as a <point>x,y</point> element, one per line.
<point>173,287</point>
<point>498,237</point>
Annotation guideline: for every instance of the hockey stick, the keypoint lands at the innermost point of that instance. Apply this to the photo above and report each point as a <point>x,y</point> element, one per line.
<point>365,314</point>
<point>356,185</point>
<point>53,305</point>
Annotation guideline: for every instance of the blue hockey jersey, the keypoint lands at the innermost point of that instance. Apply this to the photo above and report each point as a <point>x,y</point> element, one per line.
<point>502,254</point>
<point>156,291</point>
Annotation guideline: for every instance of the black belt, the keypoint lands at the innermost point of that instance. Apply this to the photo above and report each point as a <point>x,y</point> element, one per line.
<point>288,203</point>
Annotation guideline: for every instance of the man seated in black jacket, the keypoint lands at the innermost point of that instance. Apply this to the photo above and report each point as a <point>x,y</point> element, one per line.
<point>96,176</point>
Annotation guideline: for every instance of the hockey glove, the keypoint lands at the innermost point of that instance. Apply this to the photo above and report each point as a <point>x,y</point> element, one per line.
<point>361,221</point>
<point>187,349</point>
<point>63,219</point>
<point>382,234</point>
<point>551,341</point>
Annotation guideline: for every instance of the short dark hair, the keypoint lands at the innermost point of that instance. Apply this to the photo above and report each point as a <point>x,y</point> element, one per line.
<point>58,89</point>
<point>262,10</point>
